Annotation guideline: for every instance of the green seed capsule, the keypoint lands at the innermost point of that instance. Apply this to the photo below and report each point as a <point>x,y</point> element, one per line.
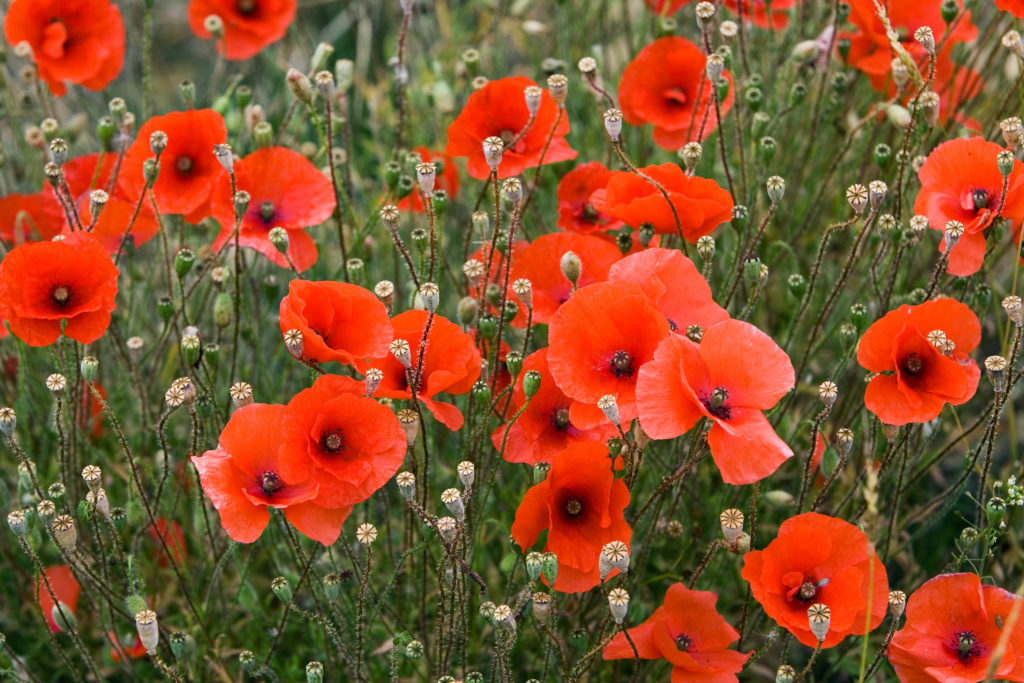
<point>531,383</point>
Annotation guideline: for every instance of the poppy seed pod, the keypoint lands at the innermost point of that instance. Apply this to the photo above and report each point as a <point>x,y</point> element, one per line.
<point>149,630</point>
<point>279,238</point>
<point>373,379</point>
<point>406,484</point>
<point>558,87</point>
<point>431,296</point>
<point>225,157</point>
<point>494,148</point>
<point>732,525</point>
<point>1012,130</point>
<point>447,526</point>
<point>18,522</point>
<point>399,348</point>
<point>618,604</point>
<point>65,532</point>
<point>691,154</point>
<point>785,674</point>
<point>452,498</point>
<point>715,67</point>
<point>610,408</point>
<point>876,193</point>
<point>426,176</point>
<point>614,555</point>
<point>541,605</point>
<point>857,197</point>
<point>531,383</point>
<point>776,187</point>
<point>512,189</point>
<point>1011,40</point>
<point>467,473</point>
<point>410,423</point>
<point>366,534</point>
<point>532,95</point>
<point>819,617</point>
<point>1014,311</point>
<point>8,421</point>
<point>534,564</point>
<point>953,231</point>
<point>293,341</point>
<point>828,392</point>
<point>613,124</point>
<point>995,368</point>
<point>241,394</point>
<point>897,602</point>
<point>324,81</point>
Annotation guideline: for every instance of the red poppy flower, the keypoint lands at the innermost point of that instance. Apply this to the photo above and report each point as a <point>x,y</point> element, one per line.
<point>575,212</point>
<point>544,428</point>
<point>540,263</point>
<point>447,179</point>
<point>499,109</point>
<point>72,42</point>
<point>172,536</point>
<point>188,169</point>
<point>1014,7</point>
<point>758,11</point>
<point>350,445</point>
<point>130,644</point>
<point>243,477</point>
<point>82,178</point>
<point>64,586</point>
<point>960,181</point>
<point>869,46</point>
<point>599,339</point>
<point>666,7</point>
<point>580,505</point>
<point>700,203</point>
<point>285,191</point>
<point>919,379</point>
<point>819,559</point>
<point>689,633</point>
<point>674,286</point>
<point>249,25</point>
<point>451,364</point>
<point>24,217</point>
<point>338,321</point>
<point>729,378</point>
<point>43,283</point>
<point>665,85</point>
<point>952,629</point>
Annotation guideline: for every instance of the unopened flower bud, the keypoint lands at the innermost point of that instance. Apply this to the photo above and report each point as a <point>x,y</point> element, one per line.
<point>571,266</point>
<point>300,86</point>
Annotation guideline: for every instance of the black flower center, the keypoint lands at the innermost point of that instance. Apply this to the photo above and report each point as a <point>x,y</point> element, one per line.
<point>270,482</point>
<point>573,507</point>
<point>589,213</point>
<point>980,198</point>
<point>967,646</point>
<point>683,642</point>
<point>246,6</point>
<point>184,164</point>
<point>912,364</point>
<point>60,295</point>
<point>715,403</point>
<point>333,441</point>
<point>267,211</point>
<point>560,418</point>
<point>621,364</point>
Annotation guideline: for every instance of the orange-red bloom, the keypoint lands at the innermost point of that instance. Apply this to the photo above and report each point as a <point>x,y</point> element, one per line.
<point>576,213</point>
<point>72,42</point>
<point>243,476</point>
<point>599,339</point>
<point>249,25</point>
<point>952,629</point>
<point>499,109</point>
<point>960,181</point>
<point>919,377</point>
<point>689,633</point>
<point>188,169</point>
<point>665,85</point>
<point>674,286</point>
<point>43,283</point>
<point>447,179</point>
<point>666,7</point>
<point>544,428</point>
<point>700,204</point>
<point>819,559</point>
<point>580,504</point>
<point>773,14</point>
<point>350,445</point>
<point>734,373</point>
<point>540,264</point>
<point>1014,7</point>
<point>338,321</point>
<point>82,178</point>
<point>451,364</point>
<point>25,217</point>
<point>64,586</point>
<point>285,191</point>
<point>869,46</point>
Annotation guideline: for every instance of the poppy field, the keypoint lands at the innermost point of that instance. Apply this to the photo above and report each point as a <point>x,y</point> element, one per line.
<point>494,340</point>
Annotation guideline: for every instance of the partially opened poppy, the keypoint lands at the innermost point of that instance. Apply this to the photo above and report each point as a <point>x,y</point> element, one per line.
<point>869,45</point>
<point>64,586</point>
<point>447,179</point>
<point>243,477</point>
<point>249,25</point>
<point>700,204</point>
<point>689,633</point>
<point>921,353</point>
<point>576,213</point>
<point>674,286</point>
<point>960,181</point>
<point>499,110</point>
<point>285,191</point>
<point>733,374</point>
<point>349,444</point>
<point>451,364</point>
<point>188,169</point>
<point>72,42</point>
<point>599,340</point>
<point>28,217</point>
<point>543,429</point>
<point>540,264</point>
<point>45,283</point>
<point>665,85</point>
<point>819,559</point>
<point>954,625</point>
<point>580,504</point>
<point>338,321</point>
<point>82,177</point>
